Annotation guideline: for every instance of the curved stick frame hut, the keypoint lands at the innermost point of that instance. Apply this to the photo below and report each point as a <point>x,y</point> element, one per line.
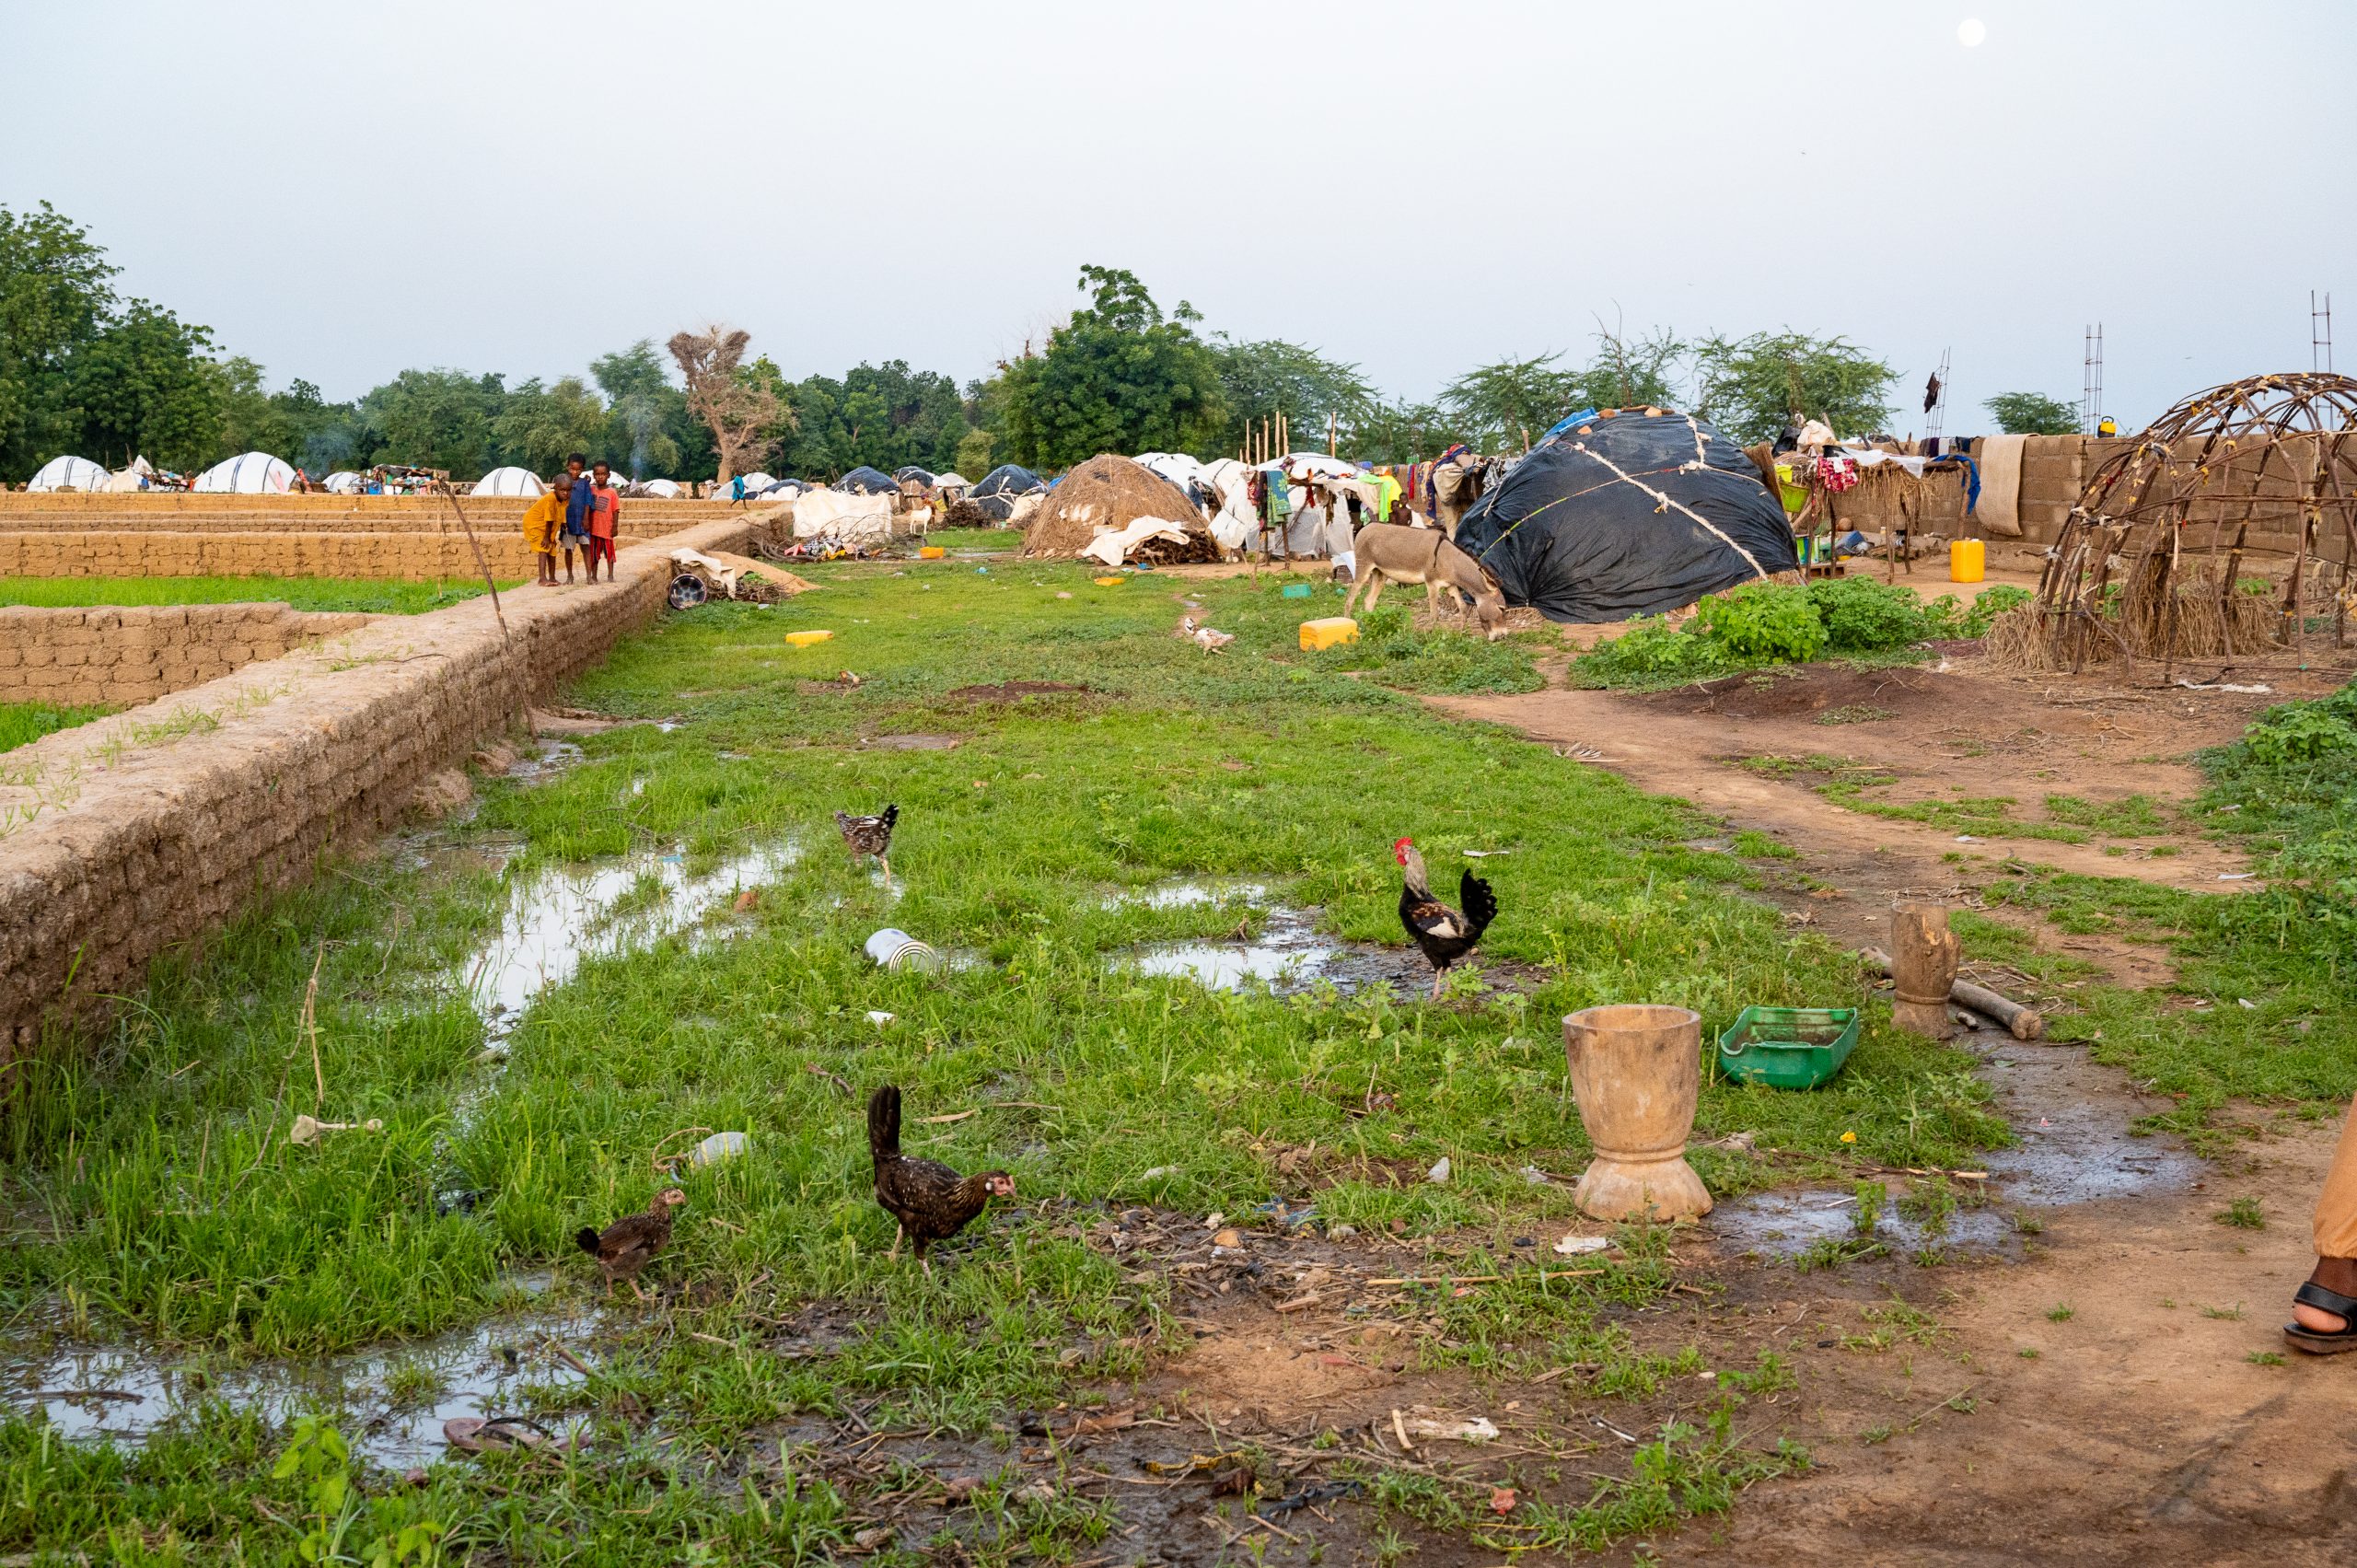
<point>2260,474</point>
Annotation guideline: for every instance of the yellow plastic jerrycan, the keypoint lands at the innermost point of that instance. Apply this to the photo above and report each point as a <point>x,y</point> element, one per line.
<point>1328,631</point>
<point>1968,560</point>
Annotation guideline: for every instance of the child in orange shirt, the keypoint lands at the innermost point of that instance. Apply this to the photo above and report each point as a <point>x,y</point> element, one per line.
<point>542,521</point>
<point>605,520</point>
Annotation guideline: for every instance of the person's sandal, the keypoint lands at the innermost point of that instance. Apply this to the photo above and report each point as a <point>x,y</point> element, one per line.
<point>2317,1342</point>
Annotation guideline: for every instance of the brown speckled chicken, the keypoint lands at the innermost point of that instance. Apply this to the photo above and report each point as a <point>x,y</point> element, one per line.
<point>931,1202</point>
<point>871,835</point>
<point>627,1245</point>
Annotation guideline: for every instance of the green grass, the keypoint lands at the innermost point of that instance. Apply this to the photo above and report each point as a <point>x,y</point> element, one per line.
<point>153,1189</point>
<point>21,724</point>
<point>2283,945</point>
<point>376,596</point>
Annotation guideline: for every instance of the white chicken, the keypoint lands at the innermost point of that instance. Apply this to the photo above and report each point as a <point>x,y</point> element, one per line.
<point>1204,636</point>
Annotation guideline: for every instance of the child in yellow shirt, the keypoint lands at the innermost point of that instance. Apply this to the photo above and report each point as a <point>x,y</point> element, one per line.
<point>542,521</point>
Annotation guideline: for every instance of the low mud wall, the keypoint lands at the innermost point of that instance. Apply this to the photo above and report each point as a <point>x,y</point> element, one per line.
<point>410,557</point>
<point>169,512</point>
<point>83,658</point>
<point>127,837</point>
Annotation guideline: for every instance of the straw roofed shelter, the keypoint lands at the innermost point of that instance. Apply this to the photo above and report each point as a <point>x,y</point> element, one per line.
<point>2228,528</point>
<point>1108,493</point>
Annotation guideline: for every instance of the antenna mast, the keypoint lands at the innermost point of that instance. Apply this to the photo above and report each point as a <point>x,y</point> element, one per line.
<point>2320,333</point>
<point>2091,380</point>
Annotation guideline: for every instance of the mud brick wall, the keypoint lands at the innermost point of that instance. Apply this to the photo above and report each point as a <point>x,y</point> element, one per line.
<point>153,828</point>
<point>167,512</point>
<point>84,658</point>
<point>410,557</point>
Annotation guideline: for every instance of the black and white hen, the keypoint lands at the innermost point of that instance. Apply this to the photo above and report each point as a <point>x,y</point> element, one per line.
<point>871,835</point>
<point>1447,937</point>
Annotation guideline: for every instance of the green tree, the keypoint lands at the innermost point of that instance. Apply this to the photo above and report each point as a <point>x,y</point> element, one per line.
<point>1750,388</point>
<point>648,427</point>
<point>2033,413</point>
<point>1402,432</point>
<point>1263,379</point>
<point>538,426</point>
<point>1119,377</point>
<point>886,416</point>
<point>144,384</point>
<point>435,419</point>
<point>1630,372</point>
<point>56,298</point>
<point>1506,406</point>
<point>972,459</point>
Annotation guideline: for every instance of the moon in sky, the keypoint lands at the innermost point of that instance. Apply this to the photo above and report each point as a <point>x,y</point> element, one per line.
<point>1969,32</point>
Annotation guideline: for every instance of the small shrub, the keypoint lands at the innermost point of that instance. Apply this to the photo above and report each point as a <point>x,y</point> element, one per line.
<point>1864,616</point>
<point>1762,623</point>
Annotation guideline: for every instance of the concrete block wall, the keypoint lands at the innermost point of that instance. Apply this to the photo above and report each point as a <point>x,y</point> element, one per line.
<point>135,834</point>
<point>119,657</point>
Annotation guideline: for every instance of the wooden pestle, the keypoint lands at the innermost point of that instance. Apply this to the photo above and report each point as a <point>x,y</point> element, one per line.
<point>2022,1022</point>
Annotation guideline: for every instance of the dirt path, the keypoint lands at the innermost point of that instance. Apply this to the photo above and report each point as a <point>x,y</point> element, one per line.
<point>2149,1422</point>
<point>1943,733</point>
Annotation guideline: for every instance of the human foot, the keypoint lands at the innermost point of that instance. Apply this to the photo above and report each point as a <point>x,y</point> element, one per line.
<point>2324,1310</point>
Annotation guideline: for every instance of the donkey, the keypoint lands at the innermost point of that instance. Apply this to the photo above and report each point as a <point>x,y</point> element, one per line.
<point>1389,553</point>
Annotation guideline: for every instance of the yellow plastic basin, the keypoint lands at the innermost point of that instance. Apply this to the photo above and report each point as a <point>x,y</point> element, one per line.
<point>1328,632</point>
<point>804,639</point>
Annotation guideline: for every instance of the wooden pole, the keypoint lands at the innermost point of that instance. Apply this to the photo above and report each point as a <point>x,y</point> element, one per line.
<point>1923,958</point>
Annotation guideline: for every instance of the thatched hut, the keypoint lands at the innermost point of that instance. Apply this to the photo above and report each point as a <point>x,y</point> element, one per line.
<point>1108,493</point>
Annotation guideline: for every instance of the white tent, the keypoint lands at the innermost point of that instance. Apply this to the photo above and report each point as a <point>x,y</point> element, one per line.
<point>754,483</point>
<point>343,481</point>
<point>135,478</point>
<point>949,481</point>
<point>69,473</point>
<point>843,514</point>
<point>248,473</point>
<point>1234,522</point>
<point>509,481</point>
<point>662,489</point>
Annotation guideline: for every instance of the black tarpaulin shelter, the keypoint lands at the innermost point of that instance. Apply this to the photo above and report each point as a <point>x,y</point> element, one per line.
<point>912,475</point>
<point>865,480</point>
<point>1631,515</point>
<point>1000,488</point>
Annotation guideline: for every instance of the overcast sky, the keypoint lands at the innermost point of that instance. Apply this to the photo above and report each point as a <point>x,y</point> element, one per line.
<point>342,191</point>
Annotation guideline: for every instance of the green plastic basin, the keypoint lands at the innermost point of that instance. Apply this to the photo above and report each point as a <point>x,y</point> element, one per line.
<point>1788,1048</point>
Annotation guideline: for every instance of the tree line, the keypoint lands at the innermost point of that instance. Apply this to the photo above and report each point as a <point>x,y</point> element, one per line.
<point>85,370</point>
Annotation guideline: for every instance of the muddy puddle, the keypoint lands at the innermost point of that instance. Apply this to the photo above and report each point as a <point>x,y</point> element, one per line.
<point>391,1402</point>
<point>2071,1119</point>
<point>1288,955</point>
<point>558,915</point>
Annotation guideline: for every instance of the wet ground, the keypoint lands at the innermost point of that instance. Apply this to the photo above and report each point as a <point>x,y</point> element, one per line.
<point>2073,1120</point>
<point>391,1401</point>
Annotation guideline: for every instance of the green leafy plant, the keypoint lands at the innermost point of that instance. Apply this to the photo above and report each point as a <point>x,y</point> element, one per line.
<point>315,1459</point>
<point>1762,623</point>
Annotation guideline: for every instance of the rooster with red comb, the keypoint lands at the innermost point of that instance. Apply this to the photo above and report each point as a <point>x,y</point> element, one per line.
<point>1447,937</point>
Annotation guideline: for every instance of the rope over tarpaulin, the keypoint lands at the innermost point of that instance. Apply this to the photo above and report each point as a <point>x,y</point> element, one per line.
<point>1634,515</point>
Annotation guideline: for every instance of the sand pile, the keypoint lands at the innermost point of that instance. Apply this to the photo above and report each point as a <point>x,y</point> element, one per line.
<point>1108,493</point>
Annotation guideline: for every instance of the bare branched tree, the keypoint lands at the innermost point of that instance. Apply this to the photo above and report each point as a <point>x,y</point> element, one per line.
<point>740,411</point>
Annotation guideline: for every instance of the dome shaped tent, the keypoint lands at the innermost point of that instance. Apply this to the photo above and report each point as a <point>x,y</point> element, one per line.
<point>754,484</point>
<point>509,481</point>
<point>865,480</point>
<point>1632,515</point>
<point>69,473</point>
<point>1000,489</point>
<point>343,481</point>
<point>663,488</point>
<point>786,489</point>
<point>248,473</point>
<point>912,475</point>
